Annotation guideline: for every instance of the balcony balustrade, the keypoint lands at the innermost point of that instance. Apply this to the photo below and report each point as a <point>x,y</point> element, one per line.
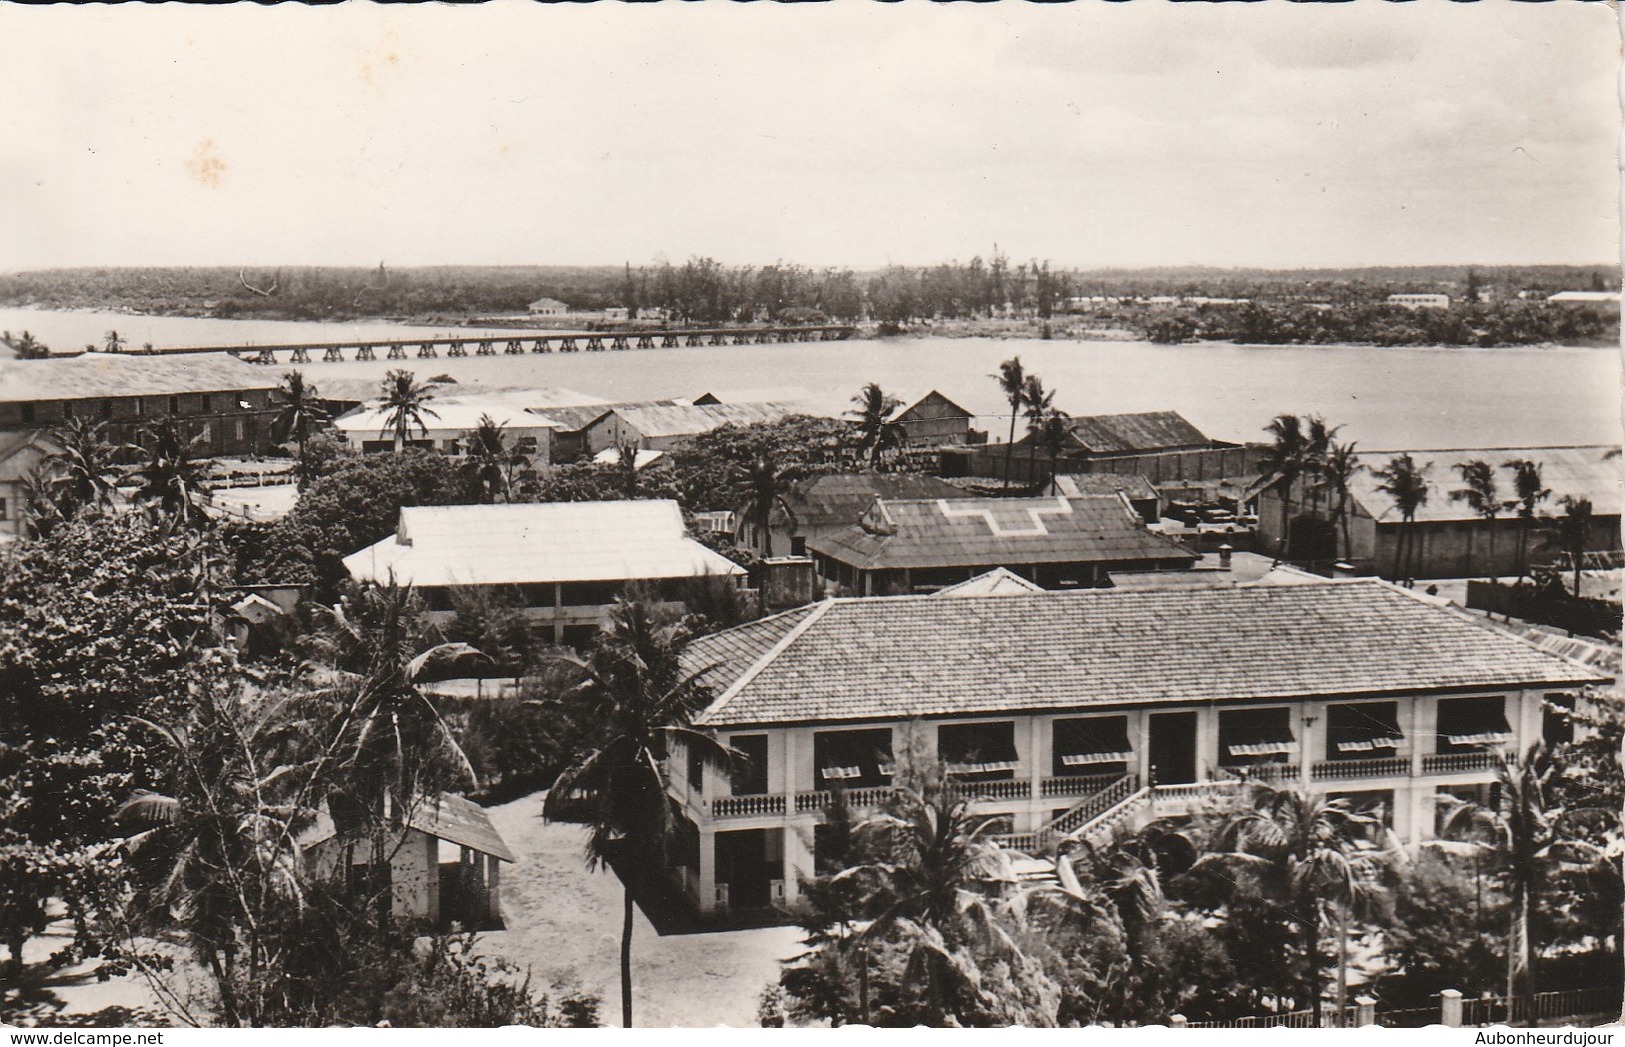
<point>1455,763</point>
<point>746,806</point>
<point>1382,767</point>
<point>1076,785</point>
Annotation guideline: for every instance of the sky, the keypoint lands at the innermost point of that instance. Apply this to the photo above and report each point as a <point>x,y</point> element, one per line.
<point>850,133</point>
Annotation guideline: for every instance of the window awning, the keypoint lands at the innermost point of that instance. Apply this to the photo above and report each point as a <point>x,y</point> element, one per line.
<point>1474,721</point>
<point>1257,732</point>
<point>1367,727</point>
<point>1500,737</point>
<point>978,748</point>
<point>1096,740</point>
<point>983,768</point>
<point>1273,747</point>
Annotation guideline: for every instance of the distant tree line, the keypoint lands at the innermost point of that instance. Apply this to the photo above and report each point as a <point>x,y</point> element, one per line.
<point>1504,322</point>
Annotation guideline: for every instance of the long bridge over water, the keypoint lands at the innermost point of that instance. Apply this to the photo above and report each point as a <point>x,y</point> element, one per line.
<point>516,343</point>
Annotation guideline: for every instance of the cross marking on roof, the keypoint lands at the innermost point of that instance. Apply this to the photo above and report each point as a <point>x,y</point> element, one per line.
<point>1035,529</point>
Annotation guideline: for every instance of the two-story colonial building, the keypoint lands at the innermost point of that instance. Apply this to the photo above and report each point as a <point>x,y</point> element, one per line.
<point>224,404</point>
<point>1067,713</point>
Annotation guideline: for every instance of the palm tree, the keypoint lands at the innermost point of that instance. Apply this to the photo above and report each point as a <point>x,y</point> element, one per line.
<point>872,418</point>
<point>1479,491</point>
<point>1407,484</point>
<point>1527,485</point>
<point>931,869</point>
<point>28,347</point>
<point>1285,461</point>
<point>644,703</point>
<point>404,405</point>
<point>1012,381</point>
<point>82,472</point>
<point>300,413</point>
<point>1037,405</point>
<point>218,850</point>
<point>1530,835</point>
<point>1052,437</point>
<point>1341,464</point>
<point>762,485</point>
<point>1570,533</point>
<point>626,467</point>
<point>112,342</point>
<point>171,477</point>
<point>1317,445</point>
<point>383,731</point>
<point>1304,853</point>
<point>489,463</point>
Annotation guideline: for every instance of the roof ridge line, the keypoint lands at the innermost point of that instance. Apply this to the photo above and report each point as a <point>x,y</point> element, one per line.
<point>1466,614</point>
<point>766,658</point>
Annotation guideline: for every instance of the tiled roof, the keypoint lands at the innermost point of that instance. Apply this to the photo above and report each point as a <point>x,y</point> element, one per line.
<point>1147,431</point>
<point>1135,486</point>
<point>537,544</point>
<point>992,532</point>
<point>1584,472</point>
<point>666,420</point>
<point>997,582</point>
<point>94,375</point>
<point>888,658</point>
<point>840,499</point>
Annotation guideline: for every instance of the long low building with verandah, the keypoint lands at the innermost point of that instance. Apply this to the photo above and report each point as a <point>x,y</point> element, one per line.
<point>1068,713</point>
<point>563,563</point>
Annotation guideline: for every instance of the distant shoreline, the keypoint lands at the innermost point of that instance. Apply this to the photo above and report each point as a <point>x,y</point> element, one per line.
<point>1060,328</point>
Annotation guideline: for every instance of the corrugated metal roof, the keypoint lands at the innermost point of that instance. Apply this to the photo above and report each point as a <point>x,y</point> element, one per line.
<point>1146,431</point>
<point>888,658</point>
<point>94,375</point>
<point>537,544</point>
<point>972,532</point>
<point>449,817</point>
<point>462,415</point>
<point>667,420</point>
<point>1076,485</point>
<point>841,499</point>
<point>767,395</point>
<point>908,401</point>
<point>1584,472</point>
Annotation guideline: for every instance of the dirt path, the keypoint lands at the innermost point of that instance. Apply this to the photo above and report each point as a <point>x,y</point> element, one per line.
<point>565,922</point>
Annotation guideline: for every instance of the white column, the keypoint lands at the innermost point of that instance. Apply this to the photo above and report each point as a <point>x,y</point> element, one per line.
<point>1424,720</point>
<point>798,862</point>
<point>708,870</point>
<point>1526,717</point>
<point>1309,718</point>
<point>1140,737</point>
<point>1207,742</point>
<point>1035,758</point>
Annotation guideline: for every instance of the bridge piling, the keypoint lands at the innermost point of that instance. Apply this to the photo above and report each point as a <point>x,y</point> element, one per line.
<point>397,351</point>
<point>364,353</point>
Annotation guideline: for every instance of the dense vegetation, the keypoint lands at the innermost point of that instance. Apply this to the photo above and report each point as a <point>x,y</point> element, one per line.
<point>1310,306</point>
<point>157,785</point>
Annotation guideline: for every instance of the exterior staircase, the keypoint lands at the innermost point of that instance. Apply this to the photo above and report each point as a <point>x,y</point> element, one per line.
<point>1080,816</point>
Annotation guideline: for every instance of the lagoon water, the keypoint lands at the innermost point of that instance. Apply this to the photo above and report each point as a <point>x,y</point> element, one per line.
<point>1385,398</point>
